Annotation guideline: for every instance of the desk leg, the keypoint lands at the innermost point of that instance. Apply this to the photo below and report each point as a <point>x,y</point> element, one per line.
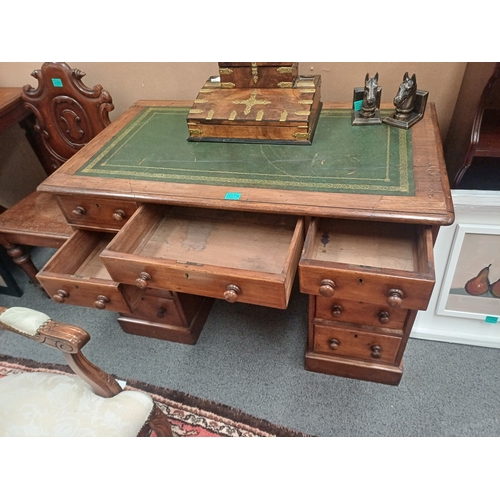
<point>23,260</point>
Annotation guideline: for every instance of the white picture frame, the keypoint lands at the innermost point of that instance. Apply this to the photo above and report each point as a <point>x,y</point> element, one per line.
<point>478,209</point>
<point>472,275</point>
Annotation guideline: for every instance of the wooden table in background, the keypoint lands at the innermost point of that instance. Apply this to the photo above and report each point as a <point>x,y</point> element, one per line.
<point>14,112</point>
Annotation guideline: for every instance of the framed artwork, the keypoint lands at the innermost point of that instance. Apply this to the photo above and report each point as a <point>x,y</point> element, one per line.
<point>8,285</point>
<point>462,252</point>
<point>471,285</point>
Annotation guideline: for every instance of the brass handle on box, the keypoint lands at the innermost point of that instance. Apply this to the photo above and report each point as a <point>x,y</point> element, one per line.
<point>395,297</point>
<point>119,215</point>
<point>142,281</point>
<point>60,296</point>
<point>79,211</point>
<point>101,302</point>
<point>231,293</point>
<point>327,288</point>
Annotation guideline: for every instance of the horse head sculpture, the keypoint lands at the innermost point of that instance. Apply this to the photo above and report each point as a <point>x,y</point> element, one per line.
<point>405,98</point>
<point>410,104</point>
<point>369,105</point>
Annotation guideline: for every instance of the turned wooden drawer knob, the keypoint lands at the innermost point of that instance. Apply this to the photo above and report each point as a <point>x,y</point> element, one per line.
<point>327,288</point>
<point>142,280</point>
<point>101,302</point>
<point>334,344</point>
<point>161,312</point>
<point>119,215</point>
<point>231,293</point>
<point>376,351</point>
<point>79,211</point>
<point>384,317</point>
<point>337,310</point>
<point>395,297</point>
<point>60,296</point>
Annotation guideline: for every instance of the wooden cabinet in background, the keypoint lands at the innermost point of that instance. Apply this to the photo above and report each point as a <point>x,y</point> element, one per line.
<point>474,131</point>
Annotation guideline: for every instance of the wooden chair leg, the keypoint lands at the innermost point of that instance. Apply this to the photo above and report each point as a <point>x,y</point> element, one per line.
<point>159,423</point>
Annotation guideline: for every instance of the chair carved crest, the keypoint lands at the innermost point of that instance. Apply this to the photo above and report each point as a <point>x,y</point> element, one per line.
<point>68,114</point>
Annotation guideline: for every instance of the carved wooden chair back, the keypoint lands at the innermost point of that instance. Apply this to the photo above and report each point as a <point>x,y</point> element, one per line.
<point>68,113</point>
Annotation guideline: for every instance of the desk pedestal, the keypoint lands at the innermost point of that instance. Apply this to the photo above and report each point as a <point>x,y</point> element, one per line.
<point>169,319</point>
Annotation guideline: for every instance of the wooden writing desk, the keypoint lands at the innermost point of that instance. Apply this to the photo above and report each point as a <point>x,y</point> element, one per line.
<point>167,226</point>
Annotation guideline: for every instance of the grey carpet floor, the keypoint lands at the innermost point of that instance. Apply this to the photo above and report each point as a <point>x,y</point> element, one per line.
<point>252,358</point>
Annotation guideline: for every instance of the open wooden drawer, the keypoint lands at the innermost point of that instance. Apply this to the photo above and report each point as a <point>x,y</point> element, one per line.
<point>75,275</point>
<point>379,263</point>
<point>227,255</point>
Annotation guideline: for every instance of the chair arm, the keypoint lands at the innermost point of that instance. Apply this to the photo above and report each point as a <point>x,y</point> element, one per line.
<point>22,320</point>
<point>66,338</point>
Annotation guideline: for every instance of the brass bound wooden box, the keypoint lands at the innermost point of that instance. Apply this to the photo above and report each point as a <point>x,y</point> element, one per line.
<point>256,106</point>
<point>275,75</point>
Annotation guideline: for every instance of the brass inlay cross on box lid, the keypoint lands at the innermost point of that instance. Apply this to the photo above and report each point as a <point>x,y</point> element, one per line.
<point>250,102</point>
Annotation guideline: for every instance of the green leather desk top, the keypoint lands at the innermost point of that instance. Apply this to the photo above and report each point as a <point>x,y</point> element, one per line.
<point>342,158</point>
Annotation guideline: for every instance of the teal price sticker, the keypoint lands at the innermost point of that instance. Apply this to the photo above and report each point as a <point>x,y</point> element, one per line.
<point>357,105</point>
<point>232,196</point>
<point>491,319</point>
<point>57,82</point>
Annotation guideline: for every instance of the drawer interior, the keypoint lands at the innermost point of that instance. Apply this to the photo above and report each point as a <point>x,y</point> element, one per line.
<point>79,256</point>
<point>218,238</point>
<point>367,244</point>
<point>92,265</point>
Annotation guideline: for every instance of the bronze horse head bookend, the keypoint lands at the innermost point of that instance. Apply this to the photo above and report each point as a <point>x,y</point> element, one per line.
<point>366,102</point>
<point>410,104</point>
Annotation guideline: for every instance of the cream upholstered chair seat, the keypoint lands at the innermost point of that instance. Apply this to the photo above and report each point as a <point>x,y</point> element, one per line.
<point>52,405</point>
<point>47,404</point>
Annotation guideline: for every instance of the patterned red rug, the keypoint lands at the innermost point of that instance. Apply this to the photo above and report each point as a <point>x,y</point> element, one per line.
<point>189,416</point>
